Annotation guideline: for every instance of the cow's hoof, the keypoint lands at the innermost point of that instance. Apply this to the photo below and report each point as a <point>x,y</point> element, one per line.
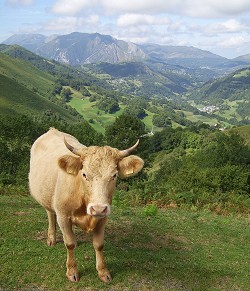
<point>50,242</point>
<point>73,278</point>
<point>105,277</point>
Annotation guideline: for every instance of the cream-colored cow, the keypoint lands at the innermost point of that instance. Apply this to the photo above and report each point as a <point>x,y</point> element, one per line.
<point>75,185</point>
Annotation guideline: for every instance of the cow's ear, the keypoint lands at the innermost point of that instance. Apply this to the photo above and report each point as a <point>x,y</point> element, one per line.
<point>129,166</point>
<point>70,164</point>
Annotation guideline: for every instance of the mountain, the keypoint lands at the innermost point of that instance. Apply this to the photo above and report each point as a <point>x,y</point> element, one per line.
<point>189,57</point>
<point>29,41</point>
<point>244,59</point>
<point>84,48</point>
<point>79,48</point>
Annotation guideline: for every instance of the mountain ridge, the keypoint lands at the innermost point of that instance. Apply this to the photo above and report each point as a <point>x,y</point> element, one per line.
<point>83,48</point>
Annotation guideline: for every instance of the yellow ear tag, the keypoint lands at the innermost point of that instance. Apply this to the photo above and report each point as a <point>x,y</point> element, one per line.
<point>129,171</point>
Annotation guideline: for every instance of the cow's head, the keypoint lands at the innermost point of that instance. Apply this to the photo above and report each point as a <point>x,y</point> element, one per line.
<point>98,168</point>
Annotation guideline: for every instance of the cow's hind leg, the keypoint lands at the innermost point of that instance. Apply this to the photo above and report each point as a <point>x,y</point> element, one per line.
<point>98,243</point>
<point>70,243</point>
<point>51,240</point>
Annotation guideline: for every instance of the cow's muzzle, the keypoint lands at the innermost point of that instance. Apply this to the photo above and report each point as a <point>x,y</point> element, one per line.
<point>98,210</point>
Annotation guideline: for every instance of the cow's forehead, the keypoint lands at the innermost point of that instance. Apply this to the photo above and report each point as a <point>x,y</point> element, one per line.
<point>100,159</point>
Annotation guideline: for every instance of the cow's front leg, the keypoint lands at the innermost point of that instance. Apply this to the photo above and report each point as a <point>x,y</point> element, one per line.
<point>70,243</point>
<point>98,243</point>
<point>51,240</point>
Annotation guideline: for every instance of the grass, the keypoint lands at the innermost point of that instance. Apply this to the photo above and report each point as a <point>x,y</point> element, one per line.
<point>25,74</point>
<point>243,73</point>
<point>99,118</point>
<point>194,118</point>
<point>16,98</point>
<point>174,249</point>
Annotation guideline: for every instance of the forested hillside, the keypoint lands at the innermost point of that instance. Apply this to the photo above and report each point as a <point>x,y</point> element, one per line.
<point>183,167</point>
<point>188,163</point>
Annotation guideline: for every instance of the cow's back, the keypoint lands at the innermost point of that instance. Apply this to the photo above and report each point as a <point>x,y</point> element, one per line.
<point>44,169</point>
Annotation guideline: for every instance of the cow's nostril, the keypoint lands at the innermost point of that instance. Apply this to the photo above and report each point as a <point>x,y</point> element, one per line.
<point>92,210</point>
<point>98,210</point>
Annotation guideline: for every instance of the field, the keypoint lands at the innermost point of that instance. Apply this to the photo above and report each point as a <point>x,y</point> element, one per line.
<point>99,119</point>
<point>174,249</point>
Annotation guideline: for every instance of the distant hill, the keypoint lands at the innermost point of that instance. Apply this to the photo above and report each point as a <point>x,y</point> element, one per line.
<point>244,59</point>
<point>139,78</point>
<point>28,41</point>
<point>189,57</point>
<point>235,86</point>
<point>227,97</point>
<point>84,48</point>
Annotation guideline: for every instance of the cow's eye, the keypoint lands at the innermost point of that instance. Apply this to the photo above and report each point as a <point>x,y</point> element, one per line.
<point>84,176</point>
<point>114,176</point>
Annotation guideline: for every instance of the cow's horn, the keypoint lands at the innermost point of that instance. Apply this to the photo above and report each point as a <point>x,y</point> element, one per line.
<point>71,148</point>
<point>126,152</point>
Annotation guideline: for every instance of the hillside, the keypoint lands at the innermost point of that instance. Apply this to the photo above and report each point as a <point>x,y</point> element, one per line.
<point>139,79</point>
<point>244,58</point>
<point>25,74</point>
<point>232,87</point>
<point>25,89</point>
<point>243,131</point>
<point>19,52</point>
<point>118,85</point>
<point>228,96</point>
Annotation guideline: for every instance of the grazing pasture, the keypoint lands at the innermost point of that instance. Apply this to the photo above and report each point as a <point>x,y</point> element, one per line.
<point>162,250</point>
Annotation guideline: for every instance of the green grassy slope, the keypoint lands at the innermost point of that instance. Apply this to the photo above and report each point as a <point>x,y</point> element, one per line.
<point>24,89</point>
<point>25,74</point>
<point>16,98</point>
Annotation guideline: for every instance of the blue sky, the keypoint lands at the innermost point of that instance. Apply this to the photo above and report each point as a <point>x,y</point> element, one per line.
<point>219,26</point>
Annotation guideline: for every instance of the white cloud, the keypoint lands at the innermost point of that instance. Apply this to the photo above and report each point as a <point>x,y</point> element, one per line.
<point>71,24</point>
<point>232,42</point>
<point>215,25</point>
<point>229,26</point>
<point>141,19</point>
<point>191,8</point>
<point>194,8</point>
<point>73,7</point>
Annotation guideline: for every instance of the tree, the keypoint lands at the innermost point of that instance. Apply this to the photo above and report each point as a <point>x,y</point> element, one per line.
<point>135,111</point>
<point>66,94</point>
<point>109,105</point>
<point>125,131</point>
<point>161,120</point>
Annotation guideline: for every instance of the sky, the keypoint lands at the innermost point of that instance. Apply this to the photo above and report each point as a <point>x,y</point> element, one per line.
<point>219,26</point>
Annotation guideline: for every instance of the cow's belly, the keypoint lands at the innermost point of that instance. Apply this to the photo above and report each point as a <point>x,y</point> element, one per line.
<point>42,188</point>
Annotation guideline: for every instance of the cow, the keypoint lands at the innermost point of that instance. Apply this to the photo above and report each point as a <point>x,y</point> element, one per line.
<point>75,184</point>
